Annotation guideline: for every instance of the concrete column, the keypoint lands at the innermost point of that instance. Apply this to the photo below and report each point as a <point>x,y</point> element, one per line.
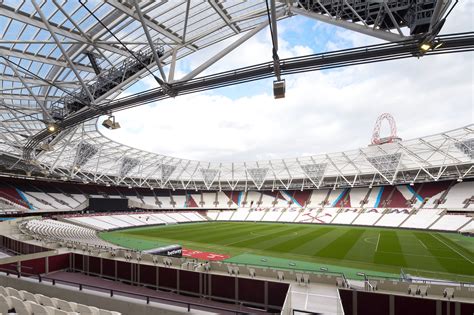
<point>354,302</point>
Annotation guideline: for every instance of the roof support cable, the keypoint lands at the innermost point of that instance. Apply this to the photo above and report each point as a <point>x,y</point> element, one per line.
<point>276,59</point>
<point>279,84</point>
<point>166,87</point>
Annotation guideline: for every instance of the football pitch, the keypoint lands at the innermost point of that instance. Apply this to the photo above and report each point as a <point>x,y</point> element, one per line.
<point>348,249</point>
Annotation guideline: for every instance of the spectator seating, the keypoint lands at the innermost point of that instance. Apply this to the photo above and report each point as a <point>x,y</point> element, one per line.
<point>225,215</point>
<point>368,217</point>
<point>393,217</point>
<point>62,231</point>
<point>115,221</point>
<point>346,216</point>
<point>272,214</point>
<point>289,214</point>
<point>450,222</point>
<point>26,303</point>
<point>422,219</point>
<point>457,194</point>
<point>317,197</point>
<point>357,195</point>
<point>209,200</point>
<point>240,214</point>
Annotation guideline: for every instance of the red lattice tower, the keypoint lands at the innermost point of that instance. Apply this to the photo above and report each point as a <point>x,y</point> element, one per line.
<point>393,130</point>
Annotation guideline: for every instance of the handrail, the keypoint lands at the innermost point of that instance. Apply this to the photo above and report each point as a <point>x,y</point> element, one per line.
<point>113,292</point>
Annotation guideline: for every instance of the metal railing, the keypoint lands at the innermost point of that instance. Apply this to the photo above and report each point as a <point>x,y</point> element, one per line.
<point>105,81</point>
<point>113,292</point>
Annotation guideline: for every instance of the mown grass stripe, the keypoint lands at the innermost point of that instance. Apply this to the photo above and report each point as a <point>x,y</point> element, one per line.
<point>340,247</point>
<point>315,244</point>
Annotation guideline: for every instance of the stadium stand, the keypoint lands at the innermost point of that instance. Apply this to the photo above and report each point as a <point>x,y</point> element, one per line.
<point>272,214</point>
<point>289,214</point>
<point>451,222</point>
<point>357,197</point>
<point>26,303</point>
<point>240,214</point>
<point>458,195</point>
<point>318,197</point>
<point>422,219</point>
<point>61,231</point>
<point>345,216</point>
<point>368,217</point>
<point>379,206</point>
<point>393,217</point>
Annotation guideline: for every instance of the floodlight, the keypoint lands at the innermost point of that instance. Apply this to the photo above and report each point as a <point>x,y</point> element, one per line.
<point>110,123</point>
<point>425,46</point>
<point>279,89</point>
<point>437,45</point>
<point>52,127</point>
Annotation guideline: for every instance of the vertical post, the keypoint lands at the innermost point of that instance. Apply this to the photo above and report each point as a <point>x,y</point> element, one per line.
<point>274,23</point>
<point>354,302</point>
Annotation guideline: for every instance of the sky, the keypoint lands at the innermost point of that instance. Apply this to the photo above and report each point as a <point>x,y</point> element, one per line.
<point>323,111</point>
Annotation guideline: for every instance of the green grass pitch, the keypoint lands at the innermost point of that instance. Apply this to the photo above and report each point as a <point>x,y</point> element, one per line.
<point>348,249</point>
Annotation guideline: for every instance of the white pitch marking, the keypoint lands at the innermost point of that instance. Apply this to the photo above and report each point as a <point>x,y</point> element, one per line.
<point>454,250</point>
<point>378,240</point>
<point>306,302</point>
<point>423,244</point>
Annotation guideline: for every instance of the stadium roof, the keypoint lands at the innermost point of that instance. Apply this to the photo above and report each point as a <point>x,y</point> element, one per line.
<point>58,59</point>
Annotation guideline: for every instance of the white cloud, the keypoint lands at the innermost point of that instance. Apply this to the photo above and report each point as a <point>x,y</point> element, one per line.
<point>322,112</point>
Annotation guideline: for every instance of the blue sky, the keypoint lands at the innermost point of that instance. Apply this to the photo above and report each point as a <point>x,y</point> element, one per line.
<point>323,111</point>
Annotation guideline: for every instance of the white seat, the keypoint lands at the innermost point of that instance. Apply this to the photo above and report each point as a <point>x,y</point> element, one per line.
<point>46,301</point>
<point>57,311</point>
<point>14,292</point>
<point>5,304</point>
<point>28,296</point>
<point>3,291</point>
<point>38,309</point>
<point>65,305</point>
<point>20,306</point>
<point>87,310</point>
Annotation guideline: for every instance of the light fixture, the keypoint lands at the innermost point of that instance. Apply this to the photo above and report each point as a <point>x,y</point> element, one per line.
<point>425,46</point>
<point>279,88</point>
<point>110,123</point>
<point>437,45</point>
<point>430,45</point>
<point>52,127</point>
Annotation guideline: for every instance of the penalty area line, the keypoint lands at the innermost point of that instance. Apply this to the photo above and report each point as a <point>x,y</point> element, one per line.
<point>423,244</point>
<point>453,249</point>
<point>378,240</point>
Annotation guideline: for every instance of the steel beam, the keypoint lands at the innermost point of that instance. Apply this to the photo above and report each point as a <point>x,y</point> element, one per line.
<point>391,37</point>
